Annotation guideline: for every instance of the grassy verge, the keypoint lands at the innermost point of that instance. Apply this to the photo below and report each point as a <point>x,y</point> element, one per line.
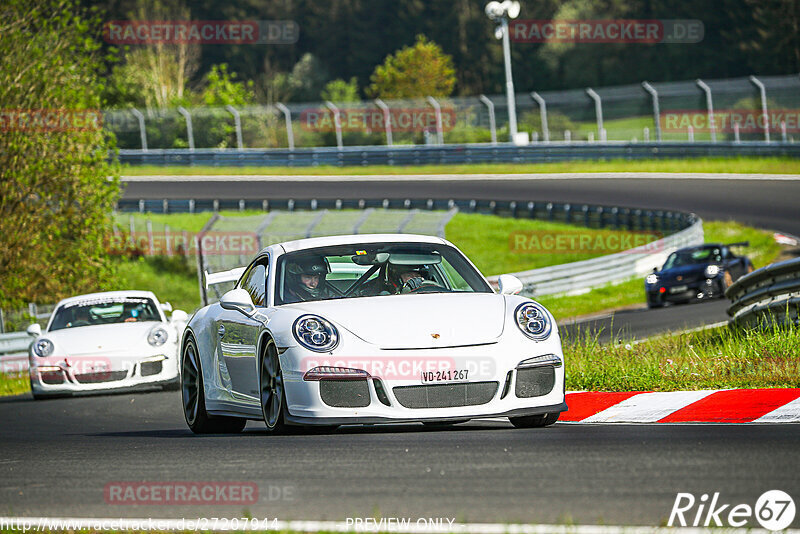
<point>716,165</point>
<point>14,384</point>
<point>708,359</point>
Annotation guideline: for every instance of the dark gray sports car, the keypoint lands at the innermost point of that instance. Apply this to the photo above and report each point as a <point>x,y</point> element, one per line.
<point>696,273</point>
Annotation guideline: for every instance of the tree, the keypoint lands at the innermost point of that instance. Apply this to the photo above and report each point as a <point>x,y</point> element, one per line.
<point>417,71</point>
<point>57,189</point>
<point>341,91</point>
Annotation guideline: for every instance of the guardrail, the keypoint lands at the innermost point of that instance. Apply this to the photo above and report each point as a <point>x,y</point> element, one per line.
<point>768,295</point>
<point>583,275</point>
<point>452,154</point>
<point>14,352</point>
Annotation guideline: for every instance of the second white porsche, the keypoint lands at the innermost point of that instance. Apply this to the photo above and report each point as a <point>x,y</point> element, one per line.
<point>368,329</point>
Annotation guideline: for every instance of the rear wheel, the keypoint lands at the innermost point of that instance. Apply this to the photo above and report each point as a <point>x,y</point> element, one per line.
<point>194,402</point>
<point>273,398</point>
<point>535,421</point>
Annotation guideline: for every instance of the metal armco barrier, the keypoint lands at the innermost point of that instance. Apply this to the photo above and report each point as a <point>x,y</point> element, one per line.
<point>582,275</point>
<point>768,295</point>
<point>450,154</point>
<point>14,352</point>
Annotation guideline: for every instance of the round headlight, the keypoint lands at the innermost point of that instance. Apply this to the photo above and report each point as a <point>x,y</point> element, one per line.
<point>315,333</point>
<point>651,279</point>
<point>534,321</point>
<point>712,271</point>
<point>43,347</point>
<point>157,336</point>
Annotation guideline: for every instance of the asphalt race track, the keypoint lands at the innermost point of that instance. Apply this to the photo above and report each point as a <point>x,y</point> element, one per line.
<point>770,204</point>
<point>58,455</point>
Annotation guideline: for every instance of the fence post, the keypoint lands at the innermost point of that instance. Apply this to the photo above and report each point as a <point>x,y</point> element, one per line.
<point>709,108</point>
<point>189,132</point>
<point>142,131</point>
<point>764,114</point>
<point>288,118</point>
<point>656,111</point>
<point>598,111</point>
<point>492,124</point>
<point>387,119</point>
<point>150,237</point>
<point>132,226</point>
<point>167,244</point>
<point>543,114</point>
<point>438,111</point>
<point>336,122</point>
<point>237,123</point>
<point>2,323</point>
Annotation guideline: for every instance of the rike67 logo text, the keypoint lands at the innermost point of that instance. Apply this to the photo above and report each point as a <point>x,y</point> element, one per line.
<point>774,510</point>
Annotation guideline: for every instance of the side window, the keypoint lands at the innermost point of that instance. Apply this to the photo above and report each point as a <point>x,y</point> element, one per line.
<point>255,282</point>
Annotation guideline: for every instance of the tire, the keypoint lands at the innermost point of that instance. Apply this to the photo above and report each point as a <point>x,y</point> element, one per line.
<point>194,401</point>
<point>535,421</point>
<point>271,390</point>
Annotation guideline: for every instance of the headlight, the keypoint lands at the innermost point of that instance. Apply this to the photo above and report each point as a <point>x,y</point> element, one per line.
<point>43,347</point>
<point>651,279</point>
<point>157,336</point>
<point>315,333</point>
<point>533,320</point>
<point>712,271</point>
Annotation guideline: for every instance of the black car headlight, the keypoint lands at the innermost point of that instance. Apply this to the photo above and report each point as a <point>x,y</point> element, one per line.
<point>315,333</point>
<point>43,347</point>
<point>534,321</point>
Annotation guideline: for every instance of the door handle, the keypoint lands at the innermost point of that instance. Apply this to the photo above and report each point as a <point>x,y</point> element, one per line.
<point>221,330</point>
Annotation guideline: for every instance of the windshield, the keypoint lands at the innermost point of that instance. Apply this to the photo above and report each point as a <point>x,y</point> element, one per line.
<point>693,257</point>
<point>105,311</point>
<point>375,269</point>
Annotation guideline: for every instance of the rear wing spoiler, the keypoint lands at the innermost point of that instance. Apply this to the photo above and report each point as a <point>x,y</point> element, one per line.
<point>223,276</point>
<point>739,244</point>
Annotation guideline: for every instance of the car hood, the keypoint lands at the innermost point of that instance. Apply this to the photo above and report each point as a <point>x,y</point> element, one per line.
<point>107,337</point>
<point>690,271</point>
<point>415,321</point>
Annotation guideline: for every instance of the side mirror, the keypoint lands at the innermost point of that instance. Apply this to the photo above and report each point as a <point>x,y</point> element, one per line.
<point>34,330</point>
<point>166,307</point>
<point>179,316</point>
<point>239,300</point>
<point>655,269</point>
<point>509,284</point>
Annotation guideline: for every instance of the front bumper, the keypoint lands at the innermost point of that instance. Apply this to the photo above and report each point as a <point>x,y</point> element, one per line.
<point>702,289</point>
<point>127,371</point>
<point>494,390</point>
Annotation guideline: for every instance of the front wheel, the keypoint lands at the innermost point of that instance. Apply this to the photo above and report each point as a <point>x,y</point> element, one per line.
<point>272,395</point>
<point>535,421</point>
<point>194,402</point>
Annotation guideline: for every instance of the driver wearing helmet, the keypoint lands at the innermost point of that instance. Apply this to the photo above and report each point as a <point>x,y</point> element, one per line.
<point>306,280</point>
<point>404,278</point>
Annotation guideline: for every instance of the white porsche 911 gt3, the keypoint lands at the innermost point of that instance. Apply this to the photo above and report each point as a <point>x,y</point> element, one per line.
<point>102,341</point>
<point>368,329</point>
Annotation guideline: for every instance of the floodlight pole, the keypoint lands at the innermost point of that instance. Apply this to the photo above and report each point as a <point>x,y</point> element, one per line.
<point>512,109</point>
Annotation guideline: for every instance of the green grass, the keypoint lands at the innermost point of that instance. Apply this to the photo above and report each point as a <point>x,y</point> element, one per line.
<point>172,279</point>
<point>713,165</point>
<point>14,384</point>
<point>709,359</point>
<point>485,239</point>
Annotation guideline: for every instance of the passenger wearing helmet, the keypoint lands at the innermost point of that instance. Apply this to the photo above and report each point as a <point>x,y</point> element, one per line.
<point>306,280</point>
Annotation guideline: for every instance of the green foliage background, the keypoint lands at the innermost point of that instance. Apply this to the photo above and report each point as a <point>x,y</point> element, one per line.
<point>56,187</point>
